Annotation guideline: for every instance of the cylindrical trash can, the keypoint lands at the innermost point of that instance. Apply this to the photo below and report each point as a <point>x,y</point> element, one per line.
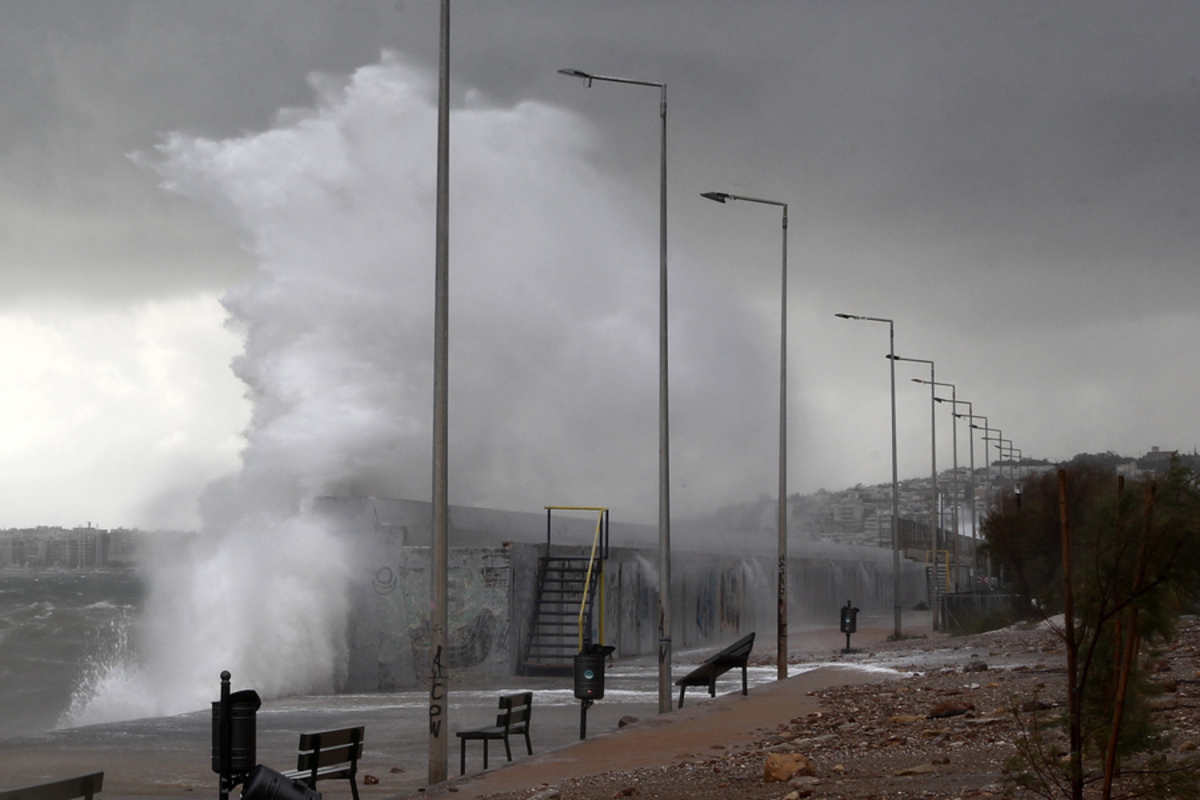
<point>242,707</point>
<point>265,783</point>
<point>849,618</point>
<point>589,676</point>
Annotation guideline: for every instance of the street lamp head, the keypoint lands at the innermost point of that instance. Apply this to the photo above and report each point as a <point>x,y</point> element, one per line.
<point>576,73</point>
<point>718,197</point>
<point>847,316</point>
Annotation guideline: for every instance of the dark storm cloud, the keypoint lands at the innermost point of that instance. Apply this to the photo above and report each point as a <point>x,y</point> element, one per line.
<point>1013,182</point>
<point>89,83</point>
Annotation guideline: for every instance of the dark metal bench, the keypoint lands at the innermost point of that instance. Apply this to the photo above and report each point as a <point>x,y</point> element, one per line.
<point>732,657</point>
<point>512,719</point>
<point>67,789</point>
<point>329,755</point>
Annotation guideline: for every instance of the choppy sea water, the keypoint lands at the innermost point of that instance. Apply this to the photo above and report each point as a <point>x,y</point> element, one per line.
<point>59,632</point>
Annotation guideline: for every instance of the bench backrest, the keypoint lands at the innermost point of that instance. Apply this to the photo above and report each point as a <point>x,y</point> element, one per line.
<point>67,789</point>
<point>515,711</point>
<point>329,747</point>
<point>738,652</point>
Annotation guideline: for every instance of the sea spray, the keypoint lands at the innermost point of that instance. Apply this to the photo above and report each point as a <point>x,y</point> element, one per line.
<point>553,359</point>
<point>265,600</point>
<point>108,688</point>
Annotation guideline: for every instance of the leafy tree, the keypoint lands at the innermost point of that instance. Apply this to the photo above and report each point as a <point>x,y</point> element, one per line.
<point>1130,558</point>
<point>1107,460</point>
<point>1023,536</point>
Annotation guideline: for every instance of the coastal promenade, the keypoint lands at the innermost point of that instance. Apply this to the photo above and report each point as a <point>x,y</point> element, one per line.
<point>170,757</point>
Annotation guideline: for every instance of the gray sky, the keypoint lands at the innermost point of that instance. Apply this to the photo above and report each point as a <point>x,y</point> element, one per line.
<point>1011,182</point>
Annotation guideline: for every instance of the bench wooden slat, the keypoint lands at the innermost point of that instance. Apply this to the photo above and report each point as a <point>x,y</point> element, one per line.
<point>325,757</point>
<point>330,739</point>
<point>67,789</point>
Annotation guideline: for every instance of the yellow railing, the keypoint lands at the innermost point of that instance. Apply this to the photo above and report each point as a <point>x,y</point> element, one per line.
<point>940,555</point>
<point>595,567</point>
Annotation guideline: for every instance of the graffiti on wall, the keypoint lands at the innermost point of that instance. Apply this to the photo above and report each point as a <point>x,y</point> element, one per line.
<point>479,583</point>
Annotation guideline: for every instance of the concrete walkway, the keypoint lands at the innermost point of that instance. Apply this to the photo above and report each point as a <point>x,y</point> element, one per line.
<point>724,722</point>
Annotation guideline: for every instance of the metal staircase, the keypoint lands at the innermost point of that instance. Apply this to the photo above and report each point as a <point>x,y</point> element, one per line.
<point>937,574</point>
<point>554,635</point>
<point>570,588</point>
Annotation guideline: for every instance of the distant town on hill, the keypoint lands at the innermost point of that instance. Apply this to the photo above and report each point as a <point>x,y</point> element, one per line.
<point>859,516</point>
<point>862,515</point>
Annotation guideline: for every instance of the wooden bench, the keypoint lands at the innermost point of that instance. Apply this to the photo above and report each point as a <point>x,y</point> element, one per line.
<point>67,789</point>
<point>732,657</point>
<point>512,719</point>
<point>329,755</point>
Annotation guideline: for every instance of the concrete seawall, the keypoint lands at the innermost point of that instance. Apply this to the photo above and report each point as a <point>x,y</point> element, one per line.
<point>716,595</point>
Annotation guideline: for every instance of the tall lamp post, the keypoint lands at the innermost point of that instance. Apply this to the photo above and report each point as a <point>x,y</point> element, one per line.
<point>987,475</point>
<point>664,439</point>
<point>439,702</point>
<point>954,417</point>
<point>781,657</point>
<point>997,442</point>
<point>971,447</point>
<point>970,417</point>
<point>1003,447</point>
<point>987,457</point>
<point>953,475</point>
<point>895,471</point>
<point>933,499</point>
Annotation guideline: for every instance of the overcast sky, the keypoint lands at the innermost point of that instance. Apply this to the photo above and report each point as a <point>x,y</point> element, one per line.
<point>216,245</point>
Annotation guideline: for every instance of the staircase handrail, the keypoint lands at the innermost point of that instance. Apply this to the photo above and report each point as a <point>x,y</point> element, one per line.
<point>598,554</point>
<point>587,584</point>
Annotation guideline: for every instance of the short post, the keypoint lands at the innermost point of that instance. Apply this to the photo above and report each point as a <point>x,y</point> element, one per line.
<point>225,747</point>
<point>849,622</point>
<point>584,705</point>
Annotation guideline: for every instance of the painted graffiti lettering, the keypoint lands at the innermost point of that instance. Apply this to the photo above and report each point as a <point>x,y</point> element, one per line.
<point>435,722</point>
<point>437,691</point>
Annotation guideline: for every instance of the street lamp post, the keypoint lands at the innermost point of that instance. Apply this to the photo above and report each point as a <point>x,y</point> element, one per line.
<point>1004,446</point>
<point>954,474</point>
<point>781,657</point>
<point>987,458</point>
<point>970,416</point>
<point>895,470</point>
<point>439,701</point>
<point>970,492</point>
<point>933,500</point>
<point>664,439</point>
<point>987,476</point>
<point>996,440</point>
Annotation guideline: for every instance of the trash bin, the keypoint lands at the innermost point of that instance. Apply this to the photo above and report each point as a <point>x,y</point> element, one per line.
<point>589,671</point>
<point>242,707</point>
<point>849,618</point>
<point>265,783</point>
